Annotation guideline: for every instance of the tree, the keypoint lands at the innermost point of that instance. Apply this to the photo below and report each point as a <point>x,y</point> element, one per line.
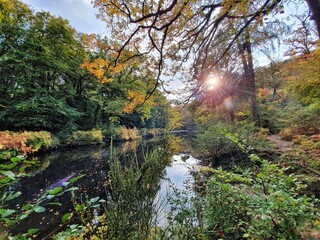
<point>314,6</point>
<point>303,39</point>
<point>177,30</point>
<point>39,65</point>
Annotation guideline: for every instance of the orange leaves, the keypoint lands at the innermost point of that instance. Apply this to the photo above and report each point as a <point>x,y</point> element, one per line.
<point>137,101</point>
<point>264,92</point>
<point>98,68</point>
<point>104,68</point>
<point>24,142</point>
<point>134,99</point>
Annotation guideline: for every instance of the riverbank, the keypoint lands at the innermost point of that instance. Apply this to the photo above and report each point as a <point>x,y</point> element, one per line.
<point>28,143</point>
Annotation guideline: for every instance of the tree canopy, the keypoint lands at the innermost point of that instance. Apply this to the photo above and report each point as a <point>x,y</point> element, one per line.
<point>53,78</point>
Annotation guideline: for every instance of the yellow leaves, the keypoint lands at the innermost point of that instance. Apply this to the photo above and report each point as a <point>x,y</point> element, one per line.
<point>98,68</point>
<point>102,69</point>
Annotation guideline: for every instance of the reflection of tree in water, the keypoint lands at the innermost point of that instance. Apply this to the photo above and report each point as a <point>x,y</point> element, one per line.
<point>183,143</point>
<point>128,147</point>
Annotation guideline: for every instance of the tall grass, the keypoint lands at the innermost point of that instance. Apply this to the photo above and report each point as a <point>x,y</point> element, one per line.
<point>130,210</point>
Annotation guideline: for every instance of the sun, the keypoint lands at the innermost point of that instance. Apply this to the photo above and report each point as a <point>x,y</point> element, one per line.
<point>212,82</point>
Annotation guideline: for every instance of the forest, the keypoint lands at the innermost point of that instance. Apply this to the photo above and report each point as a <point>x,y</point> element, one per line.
<point>92,137</point>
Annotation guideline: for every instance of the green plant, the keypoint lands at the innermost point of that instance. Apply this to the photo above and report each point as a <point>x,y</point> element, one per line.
<point>213,142</point>
<point>13,216</point>
<point>128,212</point>
<point>258,203</point>
<point>86,137</point>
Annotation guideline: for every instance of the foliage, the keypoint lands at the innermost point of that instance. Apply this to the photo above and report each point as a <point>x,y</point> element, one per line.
<point>39,113</point>
<point>304,157</point>
<point>269,203</point>
<point>26,142</point>
<point>55,79</point>
<point>304,78</point>
<point>9,217</point>
<point>125,134</point>
<point>261,203</point>
<point>85,137</point>
<point>174,30</point>
<point>304,120</point>
<point>128,212</point>
<point>214,139</point>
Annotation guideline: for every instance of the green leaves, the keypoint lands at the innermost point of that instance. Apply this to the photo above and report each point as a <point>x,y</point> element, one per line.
<point>11,196</point>
<point>66,217</point>
<point>6,212</point>
<point>15,159</point>
<point>39,209</point>
<point>74,179</point>
<point>55,191</point>
<point>10,174</point>
<point>32,231</point>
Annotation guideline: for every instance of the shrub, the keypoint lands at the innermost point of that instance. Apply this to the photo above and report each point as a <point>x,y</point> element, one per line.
<point>213,142</point>
<point>26,142</point>
<point>126,134</point>
<point>86,137</point>
<point>261,203</point>
<point>300,120</point>
<point>287,134</point>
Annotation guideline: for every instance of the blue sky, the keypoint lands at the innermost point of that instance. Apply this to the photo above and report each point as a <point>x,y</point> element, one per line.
<point>80,13</point>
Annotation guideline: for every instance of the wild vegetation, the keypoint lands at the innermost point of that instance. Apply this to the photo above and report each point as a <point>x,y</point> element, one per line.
<point>256,127</point>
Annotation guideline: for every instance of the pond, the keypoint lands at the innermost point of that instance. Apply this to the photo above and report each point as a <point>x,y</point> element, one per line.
<point>60,166</point>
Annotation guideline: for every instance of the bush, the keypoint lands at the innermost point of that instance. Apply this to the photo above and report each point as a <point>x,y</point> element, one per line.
<point>129,211</point>
<point>86,137</point>
<point>300,120</point>
<point>126,134</point>
<point>213,142</point>
<point>261,203</point>
<point>26,142</point>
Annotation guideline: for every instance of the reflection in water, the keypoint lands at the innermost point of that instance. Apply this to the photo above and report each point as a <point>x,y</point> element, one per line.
<point>93,161</point>
<point>177,177</point>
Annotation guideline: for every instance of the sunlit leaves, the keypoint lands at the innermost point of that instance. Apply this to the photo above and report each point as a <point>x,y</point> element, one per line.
<point>304,78</point>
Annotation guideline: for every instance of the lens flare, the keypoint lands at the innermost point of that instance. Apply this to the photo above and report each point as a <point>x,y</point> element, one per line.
<point>212,82</point>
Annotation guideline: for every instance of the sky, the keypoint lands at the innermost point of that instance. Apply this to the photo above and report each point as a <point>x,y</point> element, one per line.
<point>80,13</point>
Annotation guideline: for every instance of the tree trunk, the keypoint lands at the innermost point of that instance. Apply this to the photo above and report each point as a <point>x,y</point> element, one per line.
<point>245,52</point>
<point>252,84</point>
<point>314,6</point>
